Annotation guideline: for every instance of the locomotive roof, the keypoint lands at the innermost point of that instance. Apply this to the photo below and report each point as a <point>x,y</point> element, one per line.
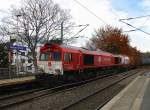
<point>86,51</point>
<point>70,47</point>
<point>83,50</point>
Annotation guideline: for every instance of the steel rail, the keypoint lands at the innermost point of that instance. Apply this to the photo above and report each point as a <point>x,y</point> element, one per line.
<point>28,96</point>
<point>99,91</point>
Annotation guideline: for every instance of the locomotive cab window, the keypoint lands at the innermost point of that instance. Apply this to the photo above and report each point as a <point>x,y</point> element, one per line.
<point>88,59</point>
<point>67,57</point>
<point>117,60</point>
<point>44,57</point>
<point>55,56</point>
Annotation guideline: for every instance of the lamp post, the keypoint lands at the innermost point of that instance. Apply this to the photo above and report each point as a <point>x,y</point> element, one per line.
<point>9,58</point>
<point>62,32</point>
<point>17,58</point>
<point>11,41</point>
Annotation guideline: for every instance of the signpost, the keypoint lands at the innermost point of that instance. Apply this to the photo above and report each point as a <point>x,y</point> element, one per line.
<point>17,47</point>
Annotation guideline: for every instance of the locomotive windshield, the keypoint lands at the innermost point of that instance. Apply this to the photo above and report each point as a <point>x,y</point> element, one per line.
<point>54,56</point>
<point>44,57</point>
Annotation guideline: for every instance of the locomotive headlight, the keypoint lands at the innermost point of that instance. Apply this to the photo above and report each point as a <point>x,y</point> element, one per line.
<point>57,71</point>
<point>41,67</point>
<point>49,64</point>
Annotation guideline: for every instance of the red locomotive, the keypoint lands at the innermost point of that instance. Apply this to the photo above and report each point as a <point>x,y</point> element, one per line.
<point>57,59</point>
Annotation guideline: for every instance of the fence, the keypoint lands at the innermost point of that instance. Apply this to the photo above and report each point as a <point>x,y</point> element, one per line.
<point>6,74</point>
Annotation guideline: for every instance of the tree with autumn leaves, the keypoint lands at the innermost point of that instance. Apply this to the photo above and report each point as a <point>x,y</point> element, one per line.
<point>113,40</point>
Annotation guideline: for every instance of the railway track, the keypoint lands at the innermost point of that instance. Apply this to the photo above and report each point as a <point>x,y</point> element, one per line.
<point>101,93</point>
<point>13,88</point>
<point>15,99</point>
<point>10,100</point>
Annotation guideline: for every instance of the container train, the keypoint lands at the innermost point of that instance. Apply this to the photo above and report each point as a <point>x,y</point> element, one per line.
<point>58,59</point>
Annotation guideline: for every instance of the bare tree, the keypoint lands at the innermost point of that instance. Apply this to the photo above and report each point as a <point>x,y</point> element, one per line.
<point>36,21</point>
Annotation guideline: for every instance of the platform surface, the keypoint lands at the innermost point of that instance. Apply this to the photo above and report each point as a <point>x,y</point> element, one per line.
<point>20,80</point>
<point>136,96</point>
<point>146,99</point>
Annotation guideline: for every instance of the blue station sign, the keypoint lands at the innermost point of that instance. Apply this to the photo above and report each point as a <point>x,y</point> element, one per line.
<point>17,47</point>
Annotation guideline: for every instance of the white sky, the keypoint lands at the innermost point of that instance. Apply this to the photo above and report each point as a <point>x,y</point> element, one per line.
<point>105,10</point>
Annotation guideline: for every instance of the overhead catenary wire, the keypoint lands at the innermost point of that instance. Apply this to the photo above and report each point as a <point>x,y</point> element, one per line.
<point>121,20</point>
<point>73,37</point>
<point>136,28</point>
<point>87,9</point>
<point>80,30</point>
<point>131,18</point>
<point>139,26</point>
<point>130,30</point>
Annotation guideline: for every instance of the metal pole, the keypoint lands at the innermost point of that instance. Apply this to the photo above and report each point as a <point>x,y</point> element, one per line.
<point>9,58</point>
<point>17,60</point>
<point>62,32</point>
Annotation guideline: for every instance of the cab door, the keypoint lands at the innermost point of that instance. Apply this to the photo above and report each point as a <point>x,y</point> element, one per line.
<point>55,64</point>
<point>68,61</point>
